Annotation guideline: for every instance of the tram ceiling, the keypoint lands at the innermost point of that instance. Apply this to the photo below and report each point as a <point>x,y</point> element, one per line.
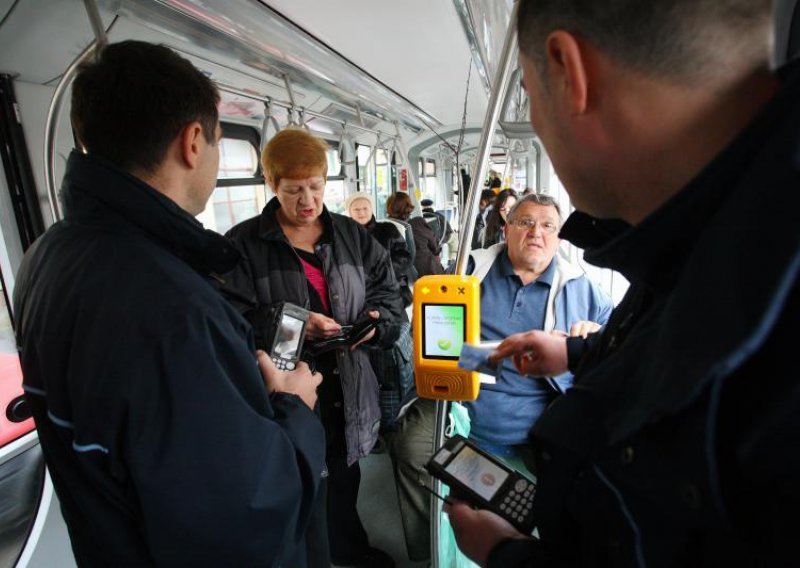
<point>246,38</point>
<point>261,40</point>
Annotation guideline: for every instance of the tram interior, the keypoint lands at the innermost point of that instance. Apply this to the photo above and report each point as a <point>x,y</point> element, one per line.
<point>399,90</point>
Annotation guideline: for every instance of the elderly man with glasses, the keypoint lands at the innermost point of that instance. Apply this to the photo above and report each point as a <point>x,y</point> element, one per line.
<point>525,285</point>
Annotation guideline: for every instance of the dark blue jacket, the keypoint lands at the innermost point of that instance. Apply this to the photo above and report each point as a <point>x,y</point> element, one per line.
<point>162,442</point>
<point>679,444</point>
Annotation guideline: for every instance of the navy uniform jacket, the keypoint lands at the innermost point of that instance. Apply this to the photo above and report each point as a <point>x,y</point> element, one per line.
<point>679,444</point>
<point>162,442</point>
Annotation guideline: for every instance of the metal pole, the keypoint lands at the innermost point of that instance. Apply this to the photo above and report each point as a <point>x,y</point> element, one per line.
<point>97,22</point>
<point>504,71</point>
<point>51,127</point>
<point>507,63</point>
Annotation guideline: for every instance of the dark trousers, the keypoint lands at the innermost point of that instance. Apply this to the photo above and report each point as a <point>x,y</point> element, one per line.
<point>410,448</point>
<point>346,535</point>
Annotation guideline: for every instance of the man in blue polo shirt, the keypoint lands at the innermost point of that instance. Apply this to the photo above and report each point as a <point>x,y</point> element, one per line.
<point>524,286</point>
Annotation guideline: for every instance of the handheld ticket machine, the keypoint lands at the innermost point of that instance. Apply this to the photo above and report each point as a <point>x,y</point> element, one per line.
<point>447,315</point>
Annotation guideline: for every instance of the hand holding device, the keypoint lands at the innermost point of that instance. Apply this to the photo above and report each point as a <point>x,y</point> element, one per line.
<point>321,326</point>
<point>350,335</point>
<point>484,481</point>
<point>286,333</point>
<point>367,331</point>
<point>534,353</point>
<point>300,381</point>
<point>477,532</point>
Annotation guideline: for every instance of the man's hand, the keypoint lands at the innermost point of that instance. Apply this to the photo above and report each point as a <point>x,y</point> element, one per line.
<point>374,314</point>
<point>321,327</point>
<point>300,381</point>
<point>478,532</point>
<point>583,328</point>
<point>534,353</point>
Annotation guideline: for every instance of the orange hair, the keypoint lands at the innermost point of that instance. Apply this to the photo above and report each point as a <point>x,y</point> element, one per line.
<point>293,153</point>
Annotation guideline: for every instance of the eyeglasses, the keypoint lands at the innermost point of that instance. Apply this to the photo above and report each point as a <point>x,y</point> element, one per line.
<point>529,224</point>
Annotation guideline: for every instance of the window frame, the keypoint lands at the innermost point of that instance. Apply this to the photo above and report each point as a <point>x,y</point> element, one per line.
<point>248,134</point>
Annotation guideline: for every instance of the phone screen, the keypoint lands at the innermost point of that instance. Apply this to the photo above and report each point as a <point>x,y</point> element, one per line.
<point>481,475</point>
<point>443,330</point>
<point>288,337</point>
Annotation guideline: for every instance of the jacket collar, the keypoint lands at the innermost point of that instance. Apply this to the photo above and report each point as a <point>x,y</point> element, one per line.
<point>94,187</point>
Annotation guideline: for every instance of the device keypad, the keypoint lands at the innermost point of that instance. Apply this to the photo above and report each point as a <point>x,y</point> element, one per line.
<point>519,501</point>
<point>283,364</point>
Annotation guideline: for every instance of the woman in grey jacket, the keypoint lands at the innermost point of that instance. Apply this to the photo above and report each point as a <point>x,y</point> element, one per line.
<point>299,252</point>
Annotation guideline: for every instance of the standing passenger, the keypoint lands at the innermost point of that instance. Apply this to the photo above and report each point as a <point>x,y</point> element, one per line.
<point>496,218</point>
<point>678,445</point>
<point>162,442</point>
<point>299,252</point>
<point>426,260</point>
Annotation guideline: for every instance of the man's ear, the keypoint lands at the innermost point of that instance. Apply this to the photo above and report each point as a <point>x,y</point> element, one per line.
<point>566,68</point>
<point>192,141</point>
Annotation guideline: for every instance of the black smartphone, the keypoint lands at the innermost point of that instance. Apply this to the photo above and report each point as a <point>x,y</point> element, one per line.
<point>289,330</point>
<point>484,481</point>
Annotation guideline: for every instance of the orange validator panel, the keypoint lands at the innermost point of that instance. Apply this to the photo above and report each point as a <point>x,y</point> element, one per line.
<point>447,314</point>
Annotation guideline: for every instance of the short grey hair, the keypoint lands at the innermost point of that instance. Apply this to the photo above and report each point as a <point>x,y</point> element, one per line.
<point>681,40</point>
<point>538,199</point>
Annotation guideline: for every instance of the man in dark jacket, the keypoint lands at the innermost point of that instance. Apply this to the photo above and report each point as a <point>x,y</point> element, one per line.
<point>677,445</point>
<point>163,443</point>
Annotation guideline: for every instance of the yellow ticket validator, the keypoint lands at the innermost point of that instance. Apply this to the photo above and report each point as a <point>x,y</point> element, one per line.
<point>447,314</point>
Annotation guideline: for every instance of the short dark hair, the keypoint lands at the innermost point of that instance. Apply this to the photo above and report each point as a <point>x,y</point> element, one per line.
<point>668,38</point>
<point>130,104</point>
<point>538,199</point>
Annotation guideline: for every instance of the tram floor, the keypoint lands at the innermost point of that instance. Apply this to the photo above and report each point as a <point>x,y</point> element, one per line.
<point>380,513</point>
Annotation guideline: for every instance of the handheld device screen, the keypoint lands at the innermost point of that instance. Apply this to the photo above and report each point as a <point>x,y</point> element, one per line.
<point>443,330</point>
<point>288,337</point>
<point>476,472</point>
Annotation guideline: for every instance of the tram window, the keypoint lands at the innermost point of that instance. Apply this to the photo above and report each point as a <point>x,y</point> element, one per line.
<point>232,205</point>
<point>241,192</point>
<point>334,186</point>
<point>374,176</point>
<point>427,178</point>
<point>10,376</point>
<point>237,159</point>
<point>334,165</point>
<point>430,168</point>
<point>366,174</point>
<point>382,183</point>
<point>335,195</point>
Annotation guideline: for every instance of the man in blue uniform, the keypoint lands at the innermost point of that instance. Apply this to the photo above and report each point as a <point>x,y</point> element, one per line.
<point>165,443</point>
<point>678,145</point>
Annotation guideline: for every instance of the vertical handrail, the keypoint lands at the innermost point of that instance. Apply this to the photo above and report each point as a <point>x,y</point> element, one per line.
<point>97,22</point>
<point>500,87</point>
<point>507,62</point>
<point>51,127</point>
